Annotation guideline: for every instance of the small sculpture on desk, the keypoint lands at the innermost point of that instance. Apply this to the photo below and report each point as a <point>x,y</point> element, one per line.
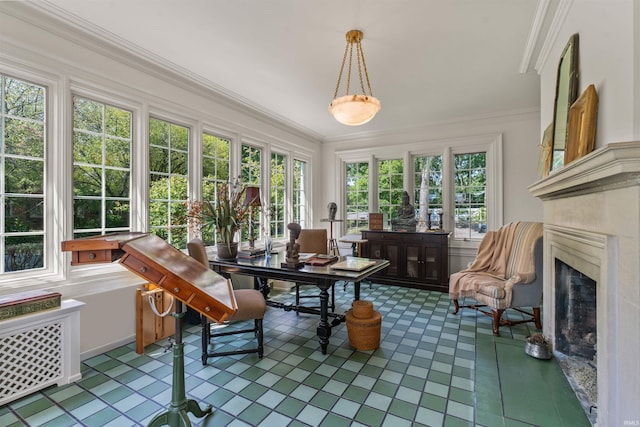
<point>333,209</point>
<point>406,219</point>
<point>293,247</point>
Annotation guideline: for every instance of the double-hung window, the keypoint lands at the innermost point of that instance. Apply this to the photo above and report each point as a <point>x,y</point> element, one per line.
<point>276,209</point>
<point>299,192</point>
<point>357,196</point>
<point>427,186</point>
<point>168,175</point>
<point>101,168</point>
<point>390,186</point>
<point>22,168</point>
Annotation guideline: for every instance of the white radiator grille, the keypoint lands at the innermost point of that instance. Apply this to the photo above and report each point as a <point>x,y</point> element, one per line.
<point>30,359</point>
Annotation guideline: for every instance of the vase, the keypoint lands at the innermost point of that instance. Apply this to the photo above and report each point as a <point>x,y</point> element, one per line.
<point>268,246</point>
<point>227,250</point>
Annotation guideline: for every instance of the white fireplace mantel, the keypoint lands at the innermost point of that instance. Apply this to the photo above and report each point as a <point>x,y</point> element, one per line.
<point>591,214</point>
<point>614,166</point>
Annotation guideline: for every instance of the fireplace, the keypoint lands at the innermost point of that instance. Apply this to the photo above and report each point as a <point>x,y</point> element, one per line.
<point>576,333</point>
<point>575,313</point>
<point>591,210</point>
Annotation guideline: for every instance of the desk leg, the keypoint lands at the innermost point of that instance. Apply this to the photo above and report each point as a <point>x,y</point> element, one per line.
<point>176,415</point>
<point>324,328</point>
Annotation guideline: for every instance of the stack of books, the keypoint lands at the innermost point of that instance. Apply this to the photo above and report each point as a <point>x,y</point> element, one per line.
<point>27,302</point>
<point>251,253</point>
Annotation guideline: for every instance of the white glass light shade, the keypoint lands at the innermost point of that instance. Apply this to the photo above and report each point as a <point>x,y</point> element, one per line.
<point>354,110</point>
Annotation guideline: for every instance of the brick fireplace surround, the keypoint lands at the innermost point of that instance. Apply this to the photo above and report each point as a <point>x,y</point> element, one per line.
<point>592,222</point>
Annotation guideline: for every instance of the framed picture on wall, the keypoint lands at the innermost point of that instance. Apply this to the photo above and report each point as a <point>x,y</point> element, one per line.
<point>544,162</point>
<point>583,118</point>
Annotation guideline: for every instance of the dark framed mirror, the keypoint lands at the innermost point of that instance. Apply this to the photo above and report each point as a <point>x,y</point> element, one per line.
<point>566,94</point>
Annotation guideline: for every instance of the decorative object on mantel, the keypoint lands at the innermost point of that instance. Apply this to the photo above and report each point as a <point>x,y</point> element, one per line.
<point>583,119</point>
<point>293,248</point>
<point>355,109</point>
<point>566,94</point>
<point>406,219</point>
<point>544,162</point>
<point>538,347</point>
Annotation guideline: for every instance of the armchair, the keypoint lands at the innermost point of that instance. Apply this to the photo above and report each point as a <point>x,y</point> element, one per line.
<point>251,306</point>
<point>506,274</point>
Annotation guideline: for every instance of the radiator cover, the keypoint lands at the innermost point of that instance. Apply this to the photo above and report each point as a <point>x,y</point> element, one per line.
<point>39,350</point>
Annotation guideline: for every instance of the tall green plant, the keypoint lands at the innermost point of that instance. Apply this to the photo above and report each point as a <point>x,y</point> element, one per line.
<point>226,215</point>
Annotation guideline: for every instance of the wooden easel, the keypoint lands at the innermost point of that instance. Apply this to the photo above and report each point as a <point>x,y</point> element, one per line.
<point>186,279</point>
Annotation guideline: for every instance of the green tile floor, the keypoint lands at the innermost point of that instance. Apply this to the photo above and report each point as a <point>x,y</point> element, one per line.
<point>432,369</point>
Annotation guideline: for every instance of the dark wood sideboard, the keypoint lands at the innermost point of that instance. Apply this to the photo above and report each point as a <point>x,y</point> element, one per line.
<point>417,259</point>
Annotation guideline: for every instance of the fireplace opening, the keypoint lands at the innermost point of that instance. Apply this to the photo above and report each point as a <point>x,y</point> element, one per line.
<point>576,332</point>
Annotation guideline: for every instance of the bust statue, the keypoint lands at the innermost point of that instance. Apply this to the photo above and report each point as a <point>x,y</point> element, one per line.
<point>293,247</point>
<point>333,208</point>
<point>406,218</point>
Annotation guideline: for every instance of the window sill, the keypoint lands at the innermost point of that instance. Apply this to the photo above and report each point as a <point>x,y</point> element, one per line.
<point>81,281</point>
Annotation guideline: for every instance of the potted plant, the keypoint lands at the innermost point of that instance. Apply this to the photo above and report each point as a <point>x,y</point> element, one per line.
<point>226,216</point>
<point>538,347</point>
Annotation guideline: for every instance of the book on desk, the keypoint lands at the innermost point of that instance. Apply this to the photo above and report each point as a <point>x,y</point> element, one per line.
<point>353,264</point>
<point>251,253</point>
<point>320,259</point>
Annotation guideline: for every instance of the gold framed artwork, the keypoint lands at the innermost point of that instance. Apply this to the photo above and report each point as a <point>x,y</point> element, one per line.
<point>583,118</point>
<point>544,162</point>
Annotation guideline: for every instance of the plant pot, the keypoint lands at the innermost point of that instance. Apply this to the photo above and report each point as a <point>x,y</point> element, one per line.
<point>227,250</point>
<point>539,351</point>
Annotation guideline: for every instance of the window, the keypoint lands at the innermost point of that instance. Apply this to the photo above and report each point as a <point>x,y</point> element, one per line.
<point>470,180</point>
<point>390,186</point>
<point>427,186</point>
<point>357,196</point>
<point>215,165</point>
<point>277,196</point>
<point>250,174</point>
<point>22,166</point>
<point>299,192</point>
<point>101,168</point>
<point>168,163</point>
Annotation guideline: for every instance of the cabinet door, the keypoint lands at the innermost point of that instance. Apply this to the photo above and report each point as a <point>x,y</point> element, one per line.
<point>432,264</point>
<point>392,253</point>
<point>413,262</point>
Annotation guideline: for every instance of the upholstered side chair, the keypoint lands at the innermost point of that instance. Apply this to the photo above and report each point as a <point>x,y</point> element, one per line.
<point>251,306</point>
<point>313,240</point>
<point>506,274</point>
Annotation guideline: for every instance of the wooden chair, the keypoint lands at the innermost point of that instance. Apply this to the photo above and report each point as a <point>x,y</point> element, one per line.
<point>313,240</point>
<point>506,274</point>
<point>251,306</point>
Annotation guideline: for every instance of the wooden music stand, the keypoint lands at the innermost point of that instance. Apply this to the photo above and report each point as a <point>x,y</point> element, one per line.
<point>187,280</point>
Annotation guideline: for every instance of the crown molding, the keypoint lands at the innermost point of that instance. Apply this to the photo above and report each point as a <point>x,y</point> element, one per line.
<point>534,34</point>
<point>74,29</point>
<point>552,35</point>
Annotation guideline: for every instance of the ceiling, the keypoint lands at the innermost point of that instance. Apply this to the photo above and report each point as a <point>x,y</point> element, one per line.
<point>429,61</point>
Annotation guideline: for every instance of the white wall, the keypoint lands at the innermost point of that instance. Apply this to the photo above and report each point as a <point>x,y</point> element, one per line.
<point>607,59</point>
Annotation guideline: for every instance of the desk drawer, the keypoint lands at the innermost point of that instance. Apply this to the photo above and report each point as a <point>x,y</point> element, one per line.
<point>143,269</point>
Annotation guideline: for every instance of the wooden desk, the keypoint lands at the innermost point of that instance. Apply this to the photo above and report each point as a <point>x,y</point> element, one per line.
<point>322,276</point>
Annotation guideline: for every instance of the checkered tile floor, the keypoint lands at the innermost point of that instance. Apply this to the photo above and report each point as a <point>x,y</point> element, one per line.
<point>432,368</point>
